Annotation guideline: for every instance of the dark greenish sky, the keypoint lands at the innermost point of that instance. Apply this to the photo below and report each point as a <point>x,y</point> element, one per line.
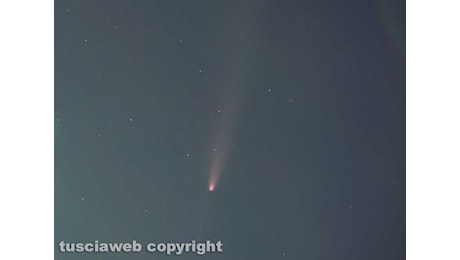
<point>293,110</point>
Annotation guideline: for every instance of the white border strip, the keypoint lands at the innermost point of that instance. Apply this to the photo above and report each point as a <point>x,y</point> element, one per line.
<point>26,132</point>
<point>433,130</point>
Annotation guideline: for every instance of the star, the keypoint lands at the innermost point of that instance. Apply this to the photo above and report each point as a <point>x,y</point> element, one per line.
<point>269,90</point>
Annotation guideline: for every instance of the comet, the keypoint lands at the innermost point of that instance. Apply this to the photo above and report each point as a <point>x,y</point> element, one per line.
<point>219,153</point>
<point>235,71</point>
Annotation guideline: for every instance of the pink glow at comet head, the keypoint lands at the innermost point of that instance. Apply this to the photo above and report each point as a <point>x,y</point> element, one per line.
<point>211,187</point>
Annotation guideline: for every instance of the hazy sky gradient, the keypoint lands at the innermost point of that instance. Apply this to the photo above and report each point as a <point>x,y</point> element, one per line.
<point>303,102</point>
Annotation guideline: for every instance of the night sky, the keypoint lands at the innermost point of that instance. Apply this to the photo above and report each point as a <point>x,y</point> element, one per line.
<point>291,112</point>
